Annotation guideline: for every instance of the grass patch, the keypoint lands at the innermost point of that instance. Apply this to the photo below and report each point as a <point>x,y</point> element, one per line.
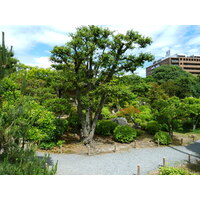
<point>197,131</point>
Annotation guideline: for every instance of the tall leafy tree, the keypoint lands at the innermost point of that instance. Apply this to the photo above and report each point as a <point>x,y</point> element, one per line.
<point>175,81</point>
<point>166,73</point>
<point>190,108</point>
<point>90,60</point>
<point>168,113</point>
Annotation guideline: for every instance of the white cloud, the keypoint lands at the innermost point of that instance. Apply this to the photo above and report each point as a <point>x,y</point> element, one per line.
<point>167,37</point>
<point>50,37</point>
<point>147,30</point>
<point>194,41</point>
<point>193,51</point>
<point>42,62</point>
<point>24,38</point>
<point>141,72</point>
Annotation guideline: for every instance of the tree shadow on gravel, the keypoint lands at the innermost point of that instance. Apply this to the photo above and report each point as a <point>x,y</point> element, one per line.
<point>194,147</point>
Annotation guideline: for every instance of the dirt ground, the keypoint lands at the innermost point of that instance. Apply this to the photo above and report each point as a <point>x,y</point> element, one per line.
<point>107,145</point>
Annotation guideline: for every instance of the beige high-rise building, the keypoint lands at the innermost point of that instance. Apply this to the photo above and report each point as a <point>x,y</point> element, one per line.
<point>187,63</point>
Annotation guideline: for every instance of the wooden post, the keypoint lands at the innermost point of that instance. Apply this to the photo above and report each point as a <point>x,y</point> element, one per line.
<point>89,150</point>
<point>138,170</point>
<point>164,162</point>
<point>115,147</point>
<point>193,138</point>
<point>181,141</point>
<point>61,149</point>
<point>189,158</point>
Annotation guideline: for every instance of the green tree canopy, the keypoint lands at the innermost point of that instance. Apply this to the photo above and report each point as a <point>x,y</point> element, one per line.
<point>168,113</point>
<point>190,108</point>
<point>90,59</point>
<point>175,81</point>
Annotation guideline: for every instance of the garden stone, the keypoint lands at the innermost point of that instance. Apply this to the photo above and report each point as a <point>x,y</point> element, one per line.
<point>120,120</point>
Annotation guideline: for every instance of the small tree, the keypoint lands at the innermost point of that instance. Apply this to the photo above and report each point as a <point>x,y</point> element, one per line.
<point>90,61</point>
<point>169,113</point>
<point>190,108</point>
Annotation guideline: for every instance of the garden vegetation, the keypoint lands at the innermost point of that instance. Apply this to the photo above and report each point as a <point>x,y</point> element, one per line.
<point>87,86</point>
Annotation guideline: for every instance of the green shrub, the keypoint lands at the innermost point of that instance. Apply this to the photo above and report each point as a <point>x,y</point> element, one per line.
<point>47,145</point>
<point>51,145</point>
<point>25,162</point>
<point>163,137</point>
<point>106,127</point>
<point>152,127</point>
<point>125,134</point>
<point>140,132</point>
<point>173,171</point>
<point>60,143</point>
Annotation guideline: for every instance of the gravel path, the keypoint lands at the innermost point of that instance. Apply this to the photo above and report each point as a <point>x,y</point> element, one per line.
<point>124,163</point>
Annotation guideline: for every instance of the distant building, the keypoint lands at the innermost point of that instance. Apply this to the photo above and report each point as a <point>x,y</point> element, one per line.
<point>187,63</point>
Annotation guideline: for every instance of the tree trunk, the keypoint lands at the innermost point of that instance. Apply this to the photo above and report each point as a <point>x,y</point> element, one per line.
<point>171,133</point>
<point>88,136</point>
<point>194,127</point>
<point>170,130</point>
<point>88,122</point>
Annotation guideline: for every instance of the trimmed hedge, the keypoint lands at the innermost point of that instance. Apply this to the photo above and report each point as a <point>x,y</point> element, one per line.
<point>124,134</point>
<point>106,127</point>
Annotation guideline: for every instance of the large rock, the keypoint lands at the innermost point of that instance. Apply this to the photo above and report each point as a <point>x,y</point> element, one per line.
<point>120,120</point>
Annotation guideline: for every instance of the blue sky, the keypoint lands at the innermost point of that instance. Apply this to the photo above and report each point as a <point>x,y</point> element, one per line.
<point>33,43</point>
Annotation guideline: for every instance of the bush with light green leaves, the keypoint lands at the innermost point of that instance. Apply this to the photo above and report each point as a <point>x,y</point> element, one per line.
<point>163,137</point>
<point>125,134</point>
<point>173,171</point>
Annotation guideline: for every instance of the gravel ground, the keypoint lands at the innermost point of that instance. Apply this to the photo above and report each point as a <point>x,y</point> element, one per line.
<point>124,163</point>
